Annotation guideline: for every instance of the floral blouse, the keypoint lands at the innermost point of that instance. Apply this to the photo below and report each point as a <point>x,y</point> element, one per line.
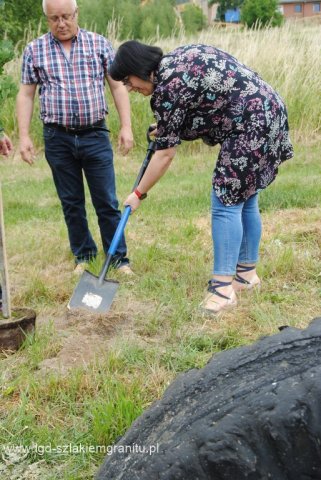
<point>203,92</point>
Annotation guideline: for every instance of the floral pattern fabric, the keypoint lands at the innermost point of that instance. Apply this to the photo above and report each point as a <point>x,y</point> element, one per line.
<point>203,92</point>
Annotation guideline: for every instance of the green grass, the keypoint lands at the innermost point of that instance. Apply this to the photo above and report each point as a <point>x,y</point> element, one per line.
<point>155,330</point>
<point>297,187</point>
<point>161,332</point>
<point>286,57</point>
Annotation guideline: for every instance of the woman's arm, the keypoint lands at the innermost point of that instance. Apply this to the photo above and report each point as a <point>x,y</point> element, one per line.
<point>158,165</point>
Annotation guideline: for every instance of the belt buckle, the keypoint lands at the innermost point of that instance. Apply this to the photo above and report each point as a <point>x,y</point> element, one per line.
<point>71,129</point>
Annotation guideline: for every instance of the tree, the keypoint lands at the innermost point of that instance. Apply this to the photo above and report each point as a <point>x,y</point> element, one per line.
<point>261,13</point>
<point>95,15</point>
<point>193,18</point>
<point>8,88</point>
<point>19,15</point>
<point>158,16</point>
<point>136,20</point>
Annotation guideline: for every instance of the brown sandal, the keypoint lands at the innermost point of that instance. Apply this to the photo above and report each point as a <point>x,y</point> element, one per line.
<point>210,303</point>
<point>245,284</point>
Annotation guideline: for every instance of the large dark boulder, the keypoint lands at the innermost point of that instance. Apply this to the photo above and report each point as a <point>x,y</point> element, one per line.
<point>251,413</point>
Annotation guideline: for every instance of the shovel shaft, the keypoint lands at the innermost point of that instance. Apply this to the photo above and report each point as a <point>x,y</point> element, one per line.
<point>127,211</point>
<point>120,230</point>
<point>114,244</point>
<point>6,306</point>
<point>150,152</point>
<point>105,268</point>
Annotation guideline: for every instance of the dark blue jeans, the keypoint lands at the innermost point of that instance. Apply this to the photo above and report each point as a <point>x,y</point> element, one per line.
<point>69,156</point>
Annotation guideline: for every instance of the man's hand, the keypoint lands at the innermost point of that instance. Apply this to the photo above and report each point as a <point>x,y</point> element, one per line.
<point>133,201</point>
<point>121,99</point>
<point>125,140</point>
<point>6,146</point>
<point>27,150</point>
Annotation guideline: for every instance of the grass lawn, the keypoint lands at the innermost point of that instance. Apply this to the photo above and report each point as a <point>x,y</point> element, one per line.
<point>83,380</point>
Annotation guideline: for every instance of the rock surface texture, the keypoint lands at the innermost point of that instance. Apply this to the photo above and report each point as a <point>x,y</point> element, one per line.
<point>251,413</point>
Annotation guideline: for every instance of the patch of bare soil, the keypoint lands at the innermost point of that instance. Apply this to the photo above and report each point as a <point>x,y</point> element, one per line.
<point>83,336</point>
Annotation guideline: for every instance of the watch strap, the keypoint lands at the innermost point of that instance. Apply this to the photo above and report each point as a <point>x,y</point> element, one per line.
<point>140,195</point>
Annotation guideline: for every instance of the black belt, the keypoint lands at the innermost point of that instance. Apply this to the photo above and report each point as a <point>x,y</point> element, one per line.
<point>100,125</point>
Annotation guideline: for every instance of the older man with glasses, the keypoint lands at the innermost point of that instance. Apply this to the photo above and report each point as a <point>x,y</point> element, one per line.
<point>70,65</point>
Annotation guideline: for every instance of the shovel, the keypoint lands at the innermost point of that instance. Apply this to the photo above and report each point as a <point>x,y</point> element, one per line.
<point>6,307</point>
<point>96,294</point>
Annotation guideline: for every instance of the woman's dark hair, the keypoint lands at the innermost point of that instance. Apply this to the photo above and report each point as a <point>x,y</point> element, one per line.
<point>135,58</point>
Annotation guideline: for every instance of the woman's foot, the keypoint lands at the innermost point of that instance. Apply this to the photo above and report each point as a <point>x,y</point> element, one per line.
<point>246,278</point>
<point>220,297</point>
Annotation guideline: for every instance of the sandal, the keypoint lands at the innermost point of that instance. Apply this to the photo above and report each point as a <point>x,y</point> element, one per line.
<point>212,304</point>
<point>240,284</point>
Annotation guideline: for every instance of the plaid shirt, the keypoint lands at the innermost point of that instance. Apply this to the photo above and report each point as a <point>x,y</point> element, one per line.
<point>71,90</point>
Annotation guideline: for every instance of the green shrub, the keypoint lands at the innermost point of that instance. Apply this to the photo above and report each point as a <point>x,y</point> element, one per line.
<point>193,19</point>
<point>8,88</point>
<point>131,18</point>
<point>256,12</point>
<point>17,16</point>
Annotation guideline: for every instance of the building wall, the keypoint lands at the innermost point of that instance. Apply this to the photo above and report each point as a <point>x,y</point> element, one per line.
<point>307,10</point>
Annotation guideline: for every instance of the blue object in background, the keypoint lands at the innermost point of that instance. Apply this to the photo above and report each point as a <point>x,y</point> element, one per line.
<point>232,15</point>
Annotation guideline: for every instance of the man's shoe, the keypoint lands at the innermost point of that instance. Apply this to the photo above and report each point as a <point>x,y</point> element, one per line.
<point>80,268</point>
<point>125,269</point>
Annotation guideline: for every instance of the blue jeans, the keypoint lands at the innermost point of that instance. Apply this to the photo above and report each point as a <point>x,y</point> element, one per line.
<point>70,155</point>
<point>236,233</point>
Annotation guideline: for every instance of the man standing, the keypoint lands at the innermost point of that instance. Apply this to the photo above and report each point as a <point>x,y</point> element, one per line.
<point>70,66</point>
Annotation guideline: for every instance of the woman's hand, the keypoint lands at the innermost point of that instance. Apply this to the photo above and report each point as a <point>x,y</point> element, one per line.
<point>133,201</point>
<point>152,129</point>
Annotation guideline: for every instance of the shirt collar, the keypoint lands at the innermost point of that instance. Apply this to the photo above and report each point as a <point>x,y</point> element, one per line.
<point>74,39</point>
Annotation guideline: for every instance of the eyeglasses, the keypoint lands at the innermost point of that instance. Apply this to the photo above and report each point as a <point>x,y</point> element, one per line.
<point>127,82</point>
<point>67,17</point>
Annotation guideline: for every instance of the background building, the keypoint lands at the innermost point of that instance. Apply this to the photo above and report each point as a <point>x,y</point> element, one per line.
<point>300,8</point>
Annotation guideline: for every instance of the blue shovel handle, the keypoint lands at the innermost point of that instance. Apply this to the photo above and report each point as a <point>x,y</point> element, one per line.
<point>114,244</point>
<point>119,231</point>
<point>127,211</point>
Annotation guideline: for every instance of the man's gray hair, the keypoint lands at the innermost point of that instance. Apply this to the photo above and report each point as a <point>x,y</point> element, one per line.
<point>44,5</point>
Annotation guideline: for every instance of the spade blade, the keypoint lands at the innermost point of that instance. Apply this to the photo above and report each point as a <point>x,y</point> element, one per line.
<point>92,295</point>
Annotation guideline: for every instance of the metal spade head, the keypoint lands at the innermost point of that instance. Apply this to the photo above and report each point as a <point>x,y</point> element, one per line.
<point>92,294</point>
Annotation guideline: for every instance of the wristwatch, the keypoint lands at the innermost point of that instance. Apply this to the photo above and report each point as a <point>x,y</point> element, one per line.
<point>141,196</point>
